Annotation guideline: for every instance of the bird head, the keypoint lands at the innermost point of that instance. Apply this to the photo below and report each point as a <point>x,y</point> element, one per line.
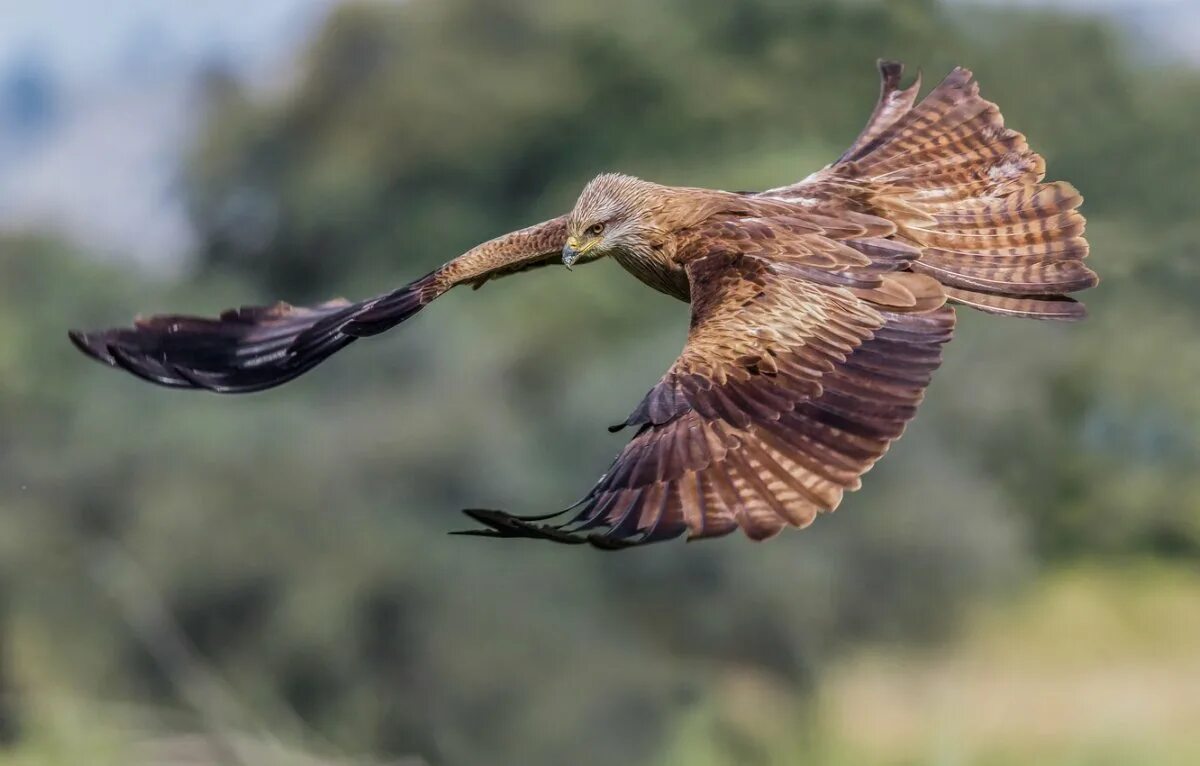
<point>614,213</point>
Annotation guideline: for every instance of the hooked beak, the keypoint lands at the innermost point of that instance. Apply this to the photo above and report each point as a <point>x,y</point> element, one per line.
<point>571,253</point>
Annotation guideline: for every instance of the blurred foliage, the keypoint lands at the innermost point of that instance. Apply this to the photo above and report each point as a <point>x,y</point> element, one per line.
<point>1097,664</point>
<point>295,537</point>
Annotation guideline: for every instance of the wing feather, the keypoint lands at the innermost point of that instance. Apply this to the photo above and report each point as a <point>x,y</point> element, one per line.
<point>258,347</point>
<point>725,441</point>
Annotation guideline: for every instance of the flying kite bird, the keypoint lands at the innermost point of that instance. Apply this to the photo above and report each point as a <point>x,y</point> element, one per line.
<point>818,315</point>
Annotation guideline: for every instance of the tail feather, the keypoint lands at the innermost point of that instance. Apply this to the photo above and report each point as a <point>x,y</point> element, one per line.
<point>968,192</point>
<point>1060,307</point>
<point>1040,278</point>
<point>893,104</point>
<point>1031,232</point>
<point>1032,201</point>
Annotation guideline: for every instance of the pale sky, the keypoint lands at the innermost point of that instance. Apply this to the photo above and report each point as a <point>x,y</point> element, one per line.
<point>86,38</point>
<point>107,172</point>
<point>81,38</point>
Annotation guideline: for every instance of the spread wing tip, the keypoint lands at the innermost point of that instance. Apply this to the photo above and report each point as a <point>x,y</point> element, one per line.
<point>92,345</point>
<point>507,525</point>
<point>104,346</point>
<point>501,524</point>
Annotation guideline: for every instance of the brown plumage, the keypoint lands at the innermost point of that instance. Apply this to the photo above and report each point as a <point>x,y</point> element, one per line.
<point>818,314</point>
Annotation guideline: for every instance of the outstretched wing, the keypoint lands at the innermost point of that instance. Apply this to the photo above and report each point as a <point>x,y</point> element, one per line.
<point>259,347</point>
<point>786,392</point>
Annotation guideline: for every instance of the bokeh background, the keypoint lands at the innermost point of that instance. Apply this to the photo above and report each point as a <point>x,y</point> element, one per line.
<point>189,579</point>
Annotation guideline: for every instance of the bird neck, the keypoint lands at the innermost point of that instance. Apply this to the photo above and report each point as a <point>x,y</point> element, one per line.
<point>652,265</point>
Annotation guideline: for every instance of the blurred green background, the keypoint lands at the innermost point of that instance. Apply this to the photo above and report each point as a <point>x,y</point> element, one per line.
<point>189,579</point>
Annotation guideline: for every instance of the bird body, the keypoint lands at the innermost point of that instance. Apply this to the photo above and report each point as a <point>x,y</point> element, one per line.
<point>819,310</point>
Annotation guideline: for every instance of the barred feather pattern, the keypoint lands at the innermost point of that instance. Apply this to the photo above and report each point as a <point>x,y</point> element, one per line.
<point>786,393</point>
<point>968,193</point>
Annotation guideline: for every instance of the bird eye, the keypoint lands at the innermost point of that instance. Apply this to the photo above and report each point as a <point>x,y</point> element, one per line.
<point>596,229</point>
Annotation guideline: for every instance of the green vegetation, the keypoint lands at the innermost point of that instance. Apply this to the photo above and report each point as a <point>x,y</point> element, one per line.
<point>294,539</point>
<point>1095,665</point>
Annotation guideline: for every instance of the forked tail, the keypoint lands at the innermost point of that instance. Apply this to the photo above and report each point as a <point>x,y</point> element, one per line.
<point>968,191</point>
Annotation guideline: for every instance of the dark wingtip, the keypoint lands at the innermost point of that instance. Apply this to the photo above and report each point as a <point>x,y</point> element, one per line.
<point>496,523</point>
<point>196,379</point>
<point>91,345</point>
<point>475,533</point>
<point>501,524</point>
<point>140,367</point>
<point>601,543</point>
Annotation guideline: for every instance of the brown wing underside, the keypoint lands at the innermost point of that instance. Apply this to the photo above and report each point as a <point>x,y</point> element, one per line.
<point>258,347</point>
<point>786,392</point>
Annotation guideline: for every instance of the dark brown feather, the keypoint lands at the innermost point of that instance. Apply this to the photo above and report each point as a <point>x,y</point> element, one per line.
<point>258,347</point>
<point>748,449</point>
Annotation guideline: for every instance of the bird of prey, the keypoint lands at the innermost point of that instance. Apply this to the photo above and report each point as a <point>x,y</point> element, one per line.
<point>818,313</point>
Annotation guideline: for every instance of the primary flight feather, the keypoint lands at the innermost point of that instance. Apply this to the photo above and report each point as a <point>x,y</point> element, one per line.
<point>818,315</point>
